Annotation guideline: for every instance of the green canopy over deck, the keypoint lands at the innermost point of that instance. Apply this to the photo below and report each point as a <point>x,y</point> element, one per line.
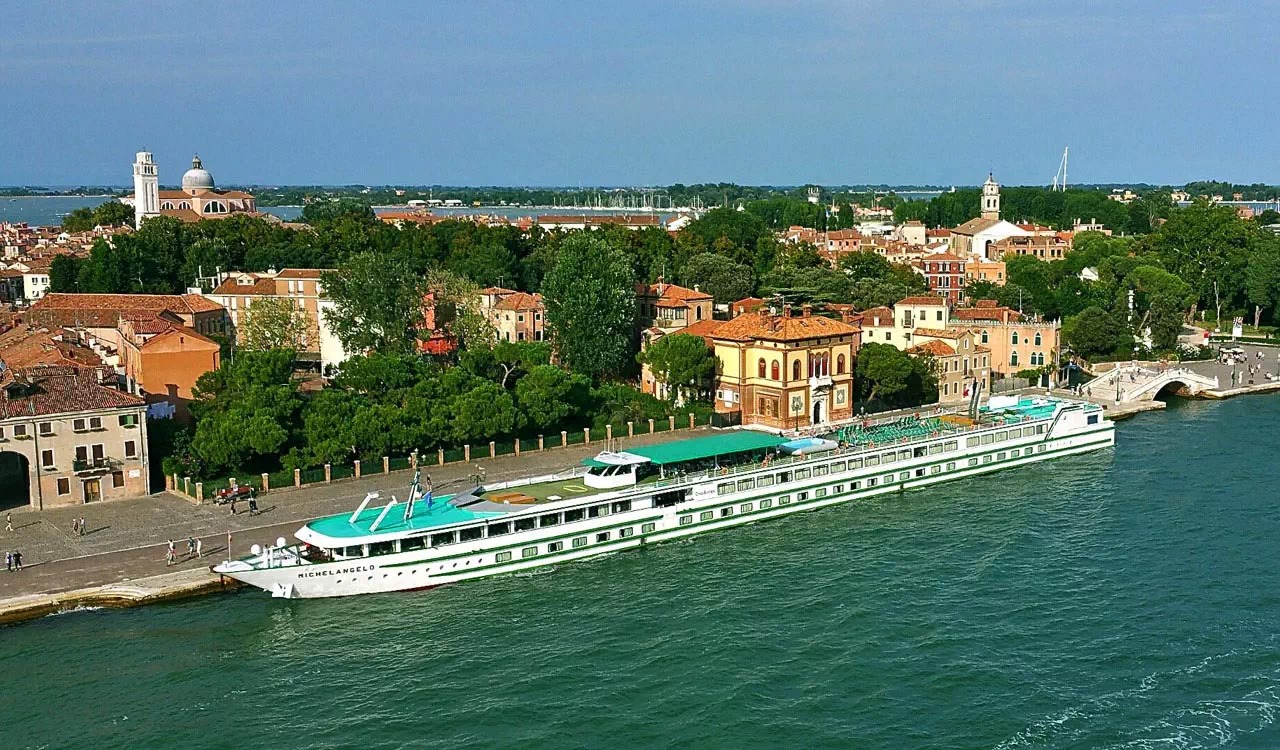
<point>719,444</point>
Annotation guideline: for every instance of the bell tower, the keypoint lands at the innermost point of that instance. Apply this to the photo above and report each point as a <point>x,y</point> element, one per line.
<point>146,189</point>
<point>990,198</point>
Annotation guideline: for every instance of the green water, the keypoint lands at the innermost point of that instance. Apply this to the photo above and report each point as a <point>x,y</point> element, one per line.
<point>1122,599</point>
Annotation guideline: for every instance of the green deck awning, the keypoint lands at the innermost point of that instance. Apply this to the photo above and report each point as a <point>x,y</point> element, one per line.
<point>719,444</point>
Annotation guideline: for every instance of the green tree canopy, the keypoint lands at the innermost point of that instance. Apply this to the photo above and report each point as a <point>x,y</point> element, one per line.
<point>590,298</point>
<point>681,361</point>
<point>378,303</point>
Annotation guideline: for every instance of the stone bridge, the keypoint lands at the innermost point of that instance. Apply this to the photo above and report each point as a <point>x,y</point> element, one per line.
<point>1136,382</point>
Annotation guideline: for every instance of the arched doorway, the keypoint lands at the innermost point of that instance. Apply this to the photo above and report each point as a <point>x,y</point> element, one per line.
<point>818,412</point>
<point>15,480</point>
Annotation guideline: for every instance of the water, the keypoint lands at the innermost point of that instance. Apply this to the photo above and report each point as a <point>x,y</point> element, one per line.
<point>1123,599</point>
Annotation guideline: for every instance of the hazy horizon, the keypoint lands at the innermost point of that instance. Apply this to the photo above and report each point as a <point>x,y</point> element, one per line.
<point>573,93</point>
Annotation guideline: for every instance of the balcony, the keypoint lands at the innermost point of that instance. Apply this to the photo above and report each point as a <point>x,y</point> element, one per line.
<point>94,465</point>
<point>819,381</point>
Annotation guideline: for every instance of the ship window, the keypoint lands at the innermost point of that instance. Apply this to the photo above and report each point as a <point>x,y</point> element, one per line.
<point>821,471</point>
<point>1014,453</point>
<point>784,477</point>
<point>837,467</point>
<point>988,439</point>
<point>951,445</point>
<point>528,551</point>
<point>706,515</point>
<point>920,451</point>
<point>382,548</point>
<point>686,520</point>
<point>935,469</point>
<point>746,484</point>
<point>726,512</point>
<point>502,557</point>
<point>596,511</point>
<point>550,519</point>
<point>471,534</point>
<point>873,461</point>
<point>765,481</point>
<point>986,459</point>
<point>855,486</point>
<point>622,506</point>
<point>602,537</point>
<point>970,442</point>
<point>919,472</point>
<point>935,449</point>
<point>904,454</point>
<point>855,463</point>
<point>973,462</point>
<point>837,489</point>
<point>412,543</point>
<point>524,524</point>
<point>766,504</point>
<point>745,508</point>
<point>784,500</point>
<point>647,528</point>
<point>1039,449</point>
<point>822,492</point>
<point>1093,418</point>
<point>802,473</point>
<point>802,496</point>
<point>356,551</point>
<point>904,476</point>
<point>725,488</point>
<point>1039,429</point>
<point>579,541</point>
<point>1002,436</point>
<point>498,529</point>
<point>889,457</point>
<point>555,546</point>
<point>439,539</point>
<point>1013,434</point>
<point>624,533</point>
<point>1001,456</point>
<point>577,514</point>
<point>871,482</point>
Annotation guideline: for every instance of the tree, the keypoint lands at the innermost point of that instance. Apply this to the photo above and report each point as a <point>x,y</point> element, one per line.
<point>1206,246</point>
<point>275,323</point>
<point>1165,320</point>
<point>453,298</point>
<point>243,410</point>
<point>718,276</point>
<point>590,298</point>
<point>741,228</point>
<point>681,361</point>
<point>883,370</point>
<point>548,396</point>
<point>1096,332</point>
<point>64,273</point>
<point>108,214</point>
<point>1262,279</point>
<point>377,303</point>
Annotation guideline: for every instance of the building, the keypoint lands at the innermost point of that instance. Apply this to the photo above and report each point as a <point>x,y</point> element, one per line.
<point>1047,247</point>
<point>745,305</point>
<point>1016,343</point>
<point>576,221</point>
<point>961,362</point>
<point>783,370</point>
<point>946,275</point>
<point>236,292</point>
<point>519,317</point>
<point>973,236</point>
<point>992,271</point>
<point>198,199</point>
<point>162,362</point>
<point>670,307</point>
<point>67,439</point>
<point>914,233</point>
<point>648,383</point>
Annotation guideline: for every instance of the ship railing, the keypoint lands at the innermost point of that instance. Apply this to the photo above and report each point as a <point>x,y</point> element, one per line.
<point>526,481</point>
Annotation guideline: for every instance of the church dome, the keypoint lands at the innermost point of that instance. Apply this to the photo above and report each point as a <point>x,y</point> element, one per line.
<point>197,178</point>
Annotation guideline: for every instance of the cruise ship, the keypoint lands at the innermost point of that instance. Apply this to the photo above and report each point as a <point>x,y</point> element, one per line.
<point>619,500</point>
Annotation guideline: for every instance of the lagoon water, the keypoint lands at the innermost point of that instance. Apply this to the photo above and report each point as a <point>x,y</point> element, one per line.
<point>1123,599</point>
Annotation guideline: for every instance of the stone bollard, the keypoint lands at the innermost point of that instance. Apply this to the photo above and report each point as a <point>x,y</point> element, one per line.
<point>564,439</point>
<point>413,460</point>
<point>357,468</point>
<point>386,465</point>
<point>586,436</point>
<point>541,443</point>
<point>266,482</point>
<point>608,433</point>
<point>493,449</point>
<point>199,492</point>
<point>691,421</point>
<point>631,429</point>
<point>441,456</point>
<point>671,422</point>
<point>328,473</point>
<point>517,444</point>
<point>466,453</point>
<point>650,426</point>
<point>177,480</point>
<point>186,485</point>
<point>169,482</point>
<point>297,477</point>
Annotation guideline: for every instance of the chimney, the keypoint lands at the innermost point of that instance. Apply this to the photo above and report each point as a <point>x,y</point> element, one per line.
<point>786,310</point>
<point>697,287</point>
<point>806,309</point>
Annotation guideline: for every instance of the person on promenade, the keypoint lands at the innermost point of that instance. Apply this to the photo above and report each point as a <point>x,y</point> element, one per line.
<point>253,506</point>
<point>191,546</point>
<point>199,548</point>
<point>169,555</point>
<point>17,560</point>
<point>233,505</point>
<point>8,561</point>
<point>8,522</point>
<point>75,527</point>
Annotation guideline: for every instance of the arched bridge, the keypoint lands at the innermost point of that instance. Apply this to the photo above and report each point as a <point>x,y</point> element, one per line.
<point>1135,382</point>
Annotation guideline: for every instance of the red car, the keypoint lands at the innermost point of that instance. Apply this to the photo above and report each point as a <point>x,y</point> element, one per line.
<point>228,494</point>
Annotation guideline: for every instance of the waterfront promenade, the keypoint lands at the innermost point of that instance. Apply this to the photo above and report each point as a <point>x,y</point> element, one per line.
<point>126,540</point>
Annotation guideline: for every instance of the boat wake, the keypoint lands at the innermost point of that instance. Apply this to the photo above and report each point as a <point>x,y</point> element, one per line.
<point>72,610</point>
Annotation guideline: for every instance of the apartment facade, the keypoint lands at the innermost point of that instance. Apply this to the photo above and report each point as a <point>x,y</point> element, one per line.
<point>303,288</point>
<point>670,307</point>
<point>961,362</point>
<point>945,274</point>
<point>76,440</point>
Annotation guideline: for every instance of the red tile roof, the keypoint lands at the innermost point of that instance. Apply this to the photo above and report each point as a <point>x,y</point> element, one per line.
<point>520,301</point>
<point>921,301</point>
<point>670,293</point>
<point>54,389</point>
<point>779,328</point>
<point>107,309</point>
<point>934,347</point>
<point>299,273</point>
<point>232,286</point>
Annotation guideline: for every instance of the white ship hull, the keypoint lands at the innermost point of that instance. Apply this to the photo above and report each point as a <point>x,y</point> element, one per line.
<point>426,568</point>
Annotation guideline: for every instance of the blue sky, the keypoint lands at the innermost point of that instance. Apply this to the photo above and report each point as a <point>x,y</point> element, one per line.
<point>607,93</point>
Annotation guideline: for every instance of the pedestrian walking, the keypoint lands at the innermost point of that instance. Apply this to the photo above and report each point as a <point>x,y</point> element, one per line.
<point>17,560</point>
<point>8,522</point>
<point>191,546</point>
<point>253,506</point>
<point>169,555</point>
<point>83,530</point>
<point>75,527</point>
<point>199,548</point>
<point>233,505</point>
<point>8,561</point>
